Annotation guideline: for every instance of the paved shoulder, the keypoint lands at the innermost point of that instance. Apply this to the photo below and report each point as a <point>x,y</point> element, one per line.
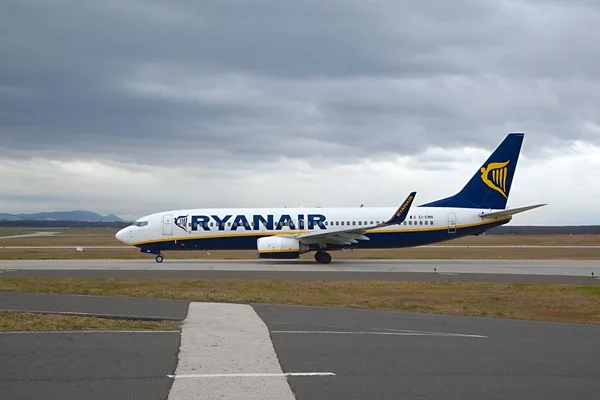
<point>105,306</point>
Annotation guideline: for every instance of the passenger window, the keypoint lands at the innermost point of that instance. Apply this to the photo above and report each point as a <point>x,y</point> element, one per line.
<point>420,222</point>
<point>360,222</point>
<point>354,223</point>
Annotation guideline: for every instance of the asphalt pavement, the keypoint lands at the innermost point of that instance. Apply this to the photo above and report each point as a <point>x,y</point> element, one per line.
<point>391,355</point>
<point>90,366</point>
<point>100,306</point>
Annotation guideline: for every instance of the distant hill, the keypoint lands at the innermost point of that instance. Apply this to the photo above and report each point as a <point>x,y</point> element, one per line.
<point>76,215</point>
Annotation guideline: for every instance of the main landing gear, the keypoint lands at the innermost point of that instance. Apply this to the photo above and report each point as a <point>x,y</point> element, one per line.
<point>323,257</point>
<point>159,258</point>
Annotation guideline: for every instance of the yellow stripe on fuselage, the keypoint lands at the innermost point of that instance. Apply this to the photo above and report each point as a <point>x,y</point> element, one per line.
<point>269,233</point>
<point>279,251</point>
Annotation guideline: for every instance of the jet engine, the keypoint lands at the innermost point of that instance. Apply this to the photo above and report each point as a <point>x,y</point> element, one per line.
<point>280,247</point>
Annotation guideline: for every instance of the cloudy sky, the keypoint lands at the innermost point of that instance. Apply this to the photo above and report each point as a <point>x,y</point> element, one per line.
<point>137,106</point>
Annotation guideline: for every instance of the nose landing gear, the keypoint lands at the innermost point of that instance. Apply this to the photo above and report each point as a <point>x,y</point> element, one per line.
<point>159,258</point>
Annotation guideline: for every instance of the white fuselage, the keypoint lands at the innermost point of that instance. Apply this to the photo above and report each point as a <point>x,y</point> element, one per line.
<point>232,229</point>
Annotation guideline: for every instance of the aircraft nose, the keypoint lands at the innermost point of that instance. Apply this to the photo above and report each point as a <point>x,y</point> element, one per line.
<point>122,235</point>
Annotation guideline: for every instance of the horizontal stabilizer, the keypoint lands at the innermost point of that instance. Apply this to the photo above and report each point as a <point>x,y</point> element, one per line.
<point>509,212</point>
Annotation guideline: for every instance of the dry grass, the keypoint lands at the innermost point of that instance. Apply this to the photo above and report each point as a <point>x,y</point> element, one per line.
<point>11,321</point>
<point>562,303</point>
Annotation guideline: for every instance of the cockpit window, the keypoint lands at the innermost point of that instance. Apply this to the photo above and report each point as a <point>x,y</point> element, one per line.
<point>140,223</point>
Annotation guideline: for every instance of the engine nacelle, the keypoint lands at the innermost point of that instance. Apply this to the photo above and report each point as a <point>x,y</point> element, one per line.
<point>280,247</point>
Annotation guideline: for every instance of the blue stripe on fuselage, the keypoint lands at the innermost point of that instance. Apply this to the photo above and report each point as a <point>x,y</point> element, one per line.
<point>378,240</point>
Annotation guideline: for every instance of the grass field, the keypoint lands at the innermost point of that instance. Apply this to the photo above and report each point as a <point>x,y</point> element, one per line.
<point>560,303</point>
<point>11,321</point>
<point>74,237</point>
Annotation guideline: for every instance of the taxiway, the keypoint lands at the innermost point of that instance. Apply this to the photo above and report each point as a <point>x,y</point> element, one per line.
<point>565,268</point>
<point>292,352</point>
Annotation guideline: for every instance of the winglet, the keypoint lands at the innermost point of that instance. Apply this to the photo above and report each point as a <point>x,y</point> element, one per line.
<point>402,212</point>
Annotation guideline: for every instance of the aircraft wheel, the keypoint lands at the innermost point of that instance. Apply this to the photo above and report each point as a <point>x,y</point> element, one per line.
<point>323,257</point>
<point>159,259</point>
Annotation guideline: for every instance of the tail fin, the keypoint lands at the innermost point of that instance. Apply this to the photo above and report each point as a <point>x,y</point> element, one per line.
<point>490,186</point>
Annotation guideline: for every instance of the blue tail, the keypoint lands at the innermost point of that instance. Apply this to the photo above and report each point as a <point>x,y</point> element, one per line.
<point>490,186</point>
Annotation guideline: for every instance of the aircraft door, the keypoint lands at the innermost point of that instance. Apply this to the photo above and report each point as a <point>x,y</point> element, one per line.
<point>167,225</point>
<point>451,222</point>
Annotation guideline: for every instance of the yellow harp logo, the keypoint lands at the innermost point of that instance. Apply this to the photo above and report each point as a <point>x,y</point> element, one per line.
<point>494,175</point>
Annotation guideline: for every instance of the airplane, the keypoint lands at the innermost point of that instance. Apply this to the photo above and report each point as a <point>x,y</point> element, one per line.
<point>286,233</point>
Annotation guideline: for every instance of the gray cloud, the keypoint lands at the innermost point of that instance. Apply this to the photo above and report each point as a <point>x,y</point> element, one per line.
<point>232,85</point>
<point>305,79</point>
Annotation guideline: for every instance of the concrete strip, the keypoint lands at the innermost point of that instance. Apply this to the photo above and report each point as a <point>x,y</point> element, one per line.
<point>227,339</point>
<point>458,266</point>
<point>29,235</point>
<point>301,275</point>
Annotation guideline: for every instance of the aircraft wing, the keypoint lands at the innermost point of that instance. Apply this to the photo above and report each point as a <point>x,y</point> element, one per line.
<point>509,212</point>
<point>352,235</point>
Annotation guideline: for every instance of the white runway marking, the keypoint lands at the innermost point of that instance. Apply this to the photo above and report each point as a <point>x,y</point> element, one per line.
<point>399,333</point>
<point>227,339</point>
<point>199,376</point>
